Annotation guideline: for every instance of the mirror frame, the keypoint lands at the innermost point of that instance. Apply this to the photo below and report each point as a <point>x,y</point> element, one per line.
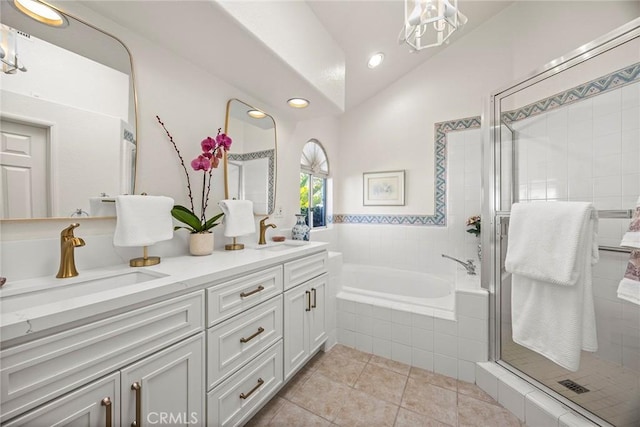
<point>135,115</point>
<point>272,207</point>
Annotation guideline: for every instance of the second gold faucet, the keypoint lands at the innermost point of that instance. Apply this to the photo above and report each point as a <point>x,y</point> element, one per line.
<point>263,229</point>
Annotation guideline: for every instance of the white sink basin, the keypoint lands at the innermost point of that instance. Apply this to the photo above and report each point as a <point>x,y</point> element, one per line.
<point>281,246</point>
<point>54,290</point>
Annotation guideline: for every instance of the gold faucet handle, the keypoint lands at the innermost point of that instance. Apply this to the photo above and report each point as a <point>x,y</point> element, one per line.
<point>68,232</point>
<point>263,220</point>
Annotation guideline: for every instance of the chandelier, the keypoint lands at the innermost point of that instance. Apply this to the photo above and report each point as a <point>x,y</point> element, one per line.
<point>430,23</point>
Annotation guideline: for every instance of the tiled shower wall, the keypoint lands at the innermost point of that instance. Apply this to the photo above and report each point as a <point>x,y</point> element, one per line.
<point>590,151</point>
<point>417,247</point>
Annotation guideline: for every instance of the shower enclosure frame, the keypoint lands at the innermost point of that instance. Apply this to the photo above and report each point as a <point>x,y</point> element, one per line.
<point>494,215</point>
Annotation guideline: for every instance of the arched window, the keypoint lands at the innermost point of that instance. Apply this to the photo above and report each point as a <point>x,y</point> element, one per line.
<point>314,171</point>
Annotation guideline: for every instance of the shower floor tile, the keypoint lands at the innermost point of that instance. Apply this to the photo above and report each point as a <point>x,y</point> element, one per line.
<point>385,393</point>
<point>614,391</point>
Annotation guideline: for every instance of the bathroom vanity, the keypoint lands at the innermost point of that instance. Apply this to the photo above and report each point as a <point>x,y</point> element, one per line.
<point>193,340</point>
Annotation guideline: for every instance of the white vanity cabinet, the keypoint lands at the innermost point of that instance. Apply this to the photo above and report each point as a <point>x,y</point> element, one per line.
<point>304,310</point>
<point>160,346</point>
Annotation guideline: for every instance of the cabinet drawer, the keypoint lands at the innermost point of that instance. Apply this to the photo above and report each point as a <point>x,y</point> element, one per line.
<point>301,270</point>
<point>38,371</point>
<point>231,298</point>
<point>235,400</point>
<point>234,342</point>
<point>86,406</point>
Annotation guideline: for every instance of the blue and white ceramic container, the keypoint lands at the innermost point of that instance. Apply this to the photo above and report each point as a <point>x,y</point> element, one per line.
<point>300,231</point>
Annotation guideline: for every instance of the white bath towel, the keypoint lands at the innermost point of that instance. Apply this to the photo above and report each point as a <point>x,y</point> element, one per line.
<point>544,239</point>
<point>238,217</point>
<point>143,220</point>
<point>554,317</point>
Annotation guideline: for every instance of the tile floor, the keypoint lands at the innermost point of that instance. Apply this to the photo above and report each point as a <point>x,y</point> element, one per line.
<point>346,387</point>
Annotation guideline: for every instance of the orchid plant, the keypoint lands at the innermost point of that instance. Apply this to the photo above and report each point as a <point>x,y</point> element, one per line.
<point>213,150</point>
<point>474,222</point>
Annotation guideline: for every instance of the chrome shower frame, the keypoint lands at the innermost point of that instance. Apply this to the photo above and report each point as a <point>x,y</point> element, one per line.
<point>492,214</point>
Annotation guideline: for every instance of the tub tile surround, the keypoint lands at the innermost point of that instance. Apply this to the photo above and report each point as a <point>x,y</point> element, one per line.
<point>348,387</point>
<point>449,346</point>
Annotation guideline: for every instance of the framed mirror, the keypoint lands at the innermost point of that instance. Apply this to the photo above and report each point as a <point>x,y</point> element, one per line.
<point>68,131</point>
<point>250,166</point>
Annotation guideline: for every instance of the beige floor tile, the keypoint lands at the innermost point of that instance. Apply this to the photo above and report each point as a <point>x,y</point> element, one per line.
<point>266,414</point>
<point>407,418</point>
<point>316,360</point>
<point>351,353</point>
<point>322,396</point>
<point>341,368</point>
<point>433,378</point>
<point>477,413</point>
<point>363,410</point>
<point>398,367</point>
<point>290,389</point>
<point>474,391</point>
<point>382,383</point>
<point>291,415</point>
<point>433,401</point>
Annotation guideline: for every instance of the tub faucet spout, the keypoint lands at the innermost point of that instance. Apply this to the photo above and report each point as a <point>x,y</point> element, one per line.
<point>469,265</point>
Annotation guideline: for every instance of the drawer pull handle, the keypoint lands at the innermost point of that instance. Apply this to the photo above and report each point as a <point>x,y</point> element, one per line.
<point>138,389</point>
<point>255,291</point>
<point>245,340</point>
<point>314,298</point>
<point>308,301</point>
<point>257,386</point>
<point>106,402</point>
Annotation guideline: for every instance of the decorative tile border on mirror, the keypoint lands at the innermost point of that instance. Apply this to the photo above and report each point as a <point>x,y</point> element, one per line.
<point>268,154</point>
<point>439,218</point>
<point>595,87</point>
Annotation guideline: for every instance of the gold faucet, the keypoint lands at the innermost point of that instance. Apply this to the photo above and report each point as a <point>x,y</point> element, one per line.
<point>263,229</point>
<point>68,242</point>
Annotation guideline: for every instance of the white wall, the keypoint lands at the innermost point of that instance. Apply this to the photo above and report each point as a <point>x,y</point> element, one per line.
<point>394,129</point>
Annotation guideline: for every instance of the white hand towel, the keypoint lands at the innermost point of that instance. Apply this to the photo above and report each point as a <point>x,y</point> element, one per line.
<point>554,317</point>
<point>238,217</point>
<point>631,238</point>
<point>544,239</point>
<point>143,220</point>
<point>629,288</point>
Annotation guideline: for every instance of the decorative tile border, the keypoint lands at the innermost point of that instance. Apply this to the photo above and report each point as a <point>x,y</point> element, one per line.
<point>128,136</point>
<point>595,87</point>
<point>268,154</point>
<point>439,218</point>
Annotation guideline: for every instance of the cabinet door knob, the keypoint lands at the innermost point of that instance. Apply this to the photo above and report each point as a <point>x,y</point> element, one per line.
<point>257,386</point>
<point>106,402</point>
<point>308,294</point>
<point>314,297</point>
<point>245,340</point>
<point>138,389</point>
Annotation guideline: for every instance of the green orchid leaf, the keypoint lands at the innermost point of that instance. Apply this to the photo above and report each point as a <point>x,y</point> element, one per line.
<point>187,217</point>
<point>212,222</point>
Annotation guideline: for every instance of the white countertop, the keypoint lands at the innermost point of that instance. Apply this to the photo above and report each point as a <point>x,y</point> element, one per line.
<point>178,275</point>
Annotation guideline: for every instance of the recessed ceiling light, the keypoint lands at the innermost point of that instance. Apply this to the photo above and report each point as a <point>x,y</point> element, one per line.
<point>41,12</point>
<point>298,103</point>
<point>256,114</point>
<point>375,60</point>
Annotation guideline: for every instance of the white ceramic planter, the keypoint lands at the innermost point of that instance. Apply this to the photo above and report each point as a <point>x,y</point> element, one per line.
<point>201,243</point>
